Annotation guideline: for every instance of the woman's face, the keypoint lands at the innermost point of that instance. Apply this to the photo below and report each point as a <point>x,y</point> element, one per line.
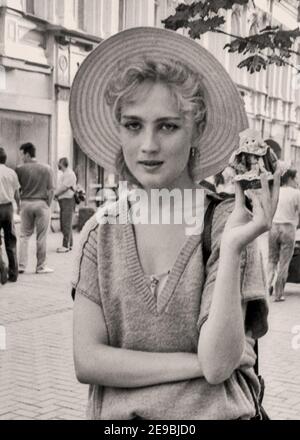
<point>156,138</point>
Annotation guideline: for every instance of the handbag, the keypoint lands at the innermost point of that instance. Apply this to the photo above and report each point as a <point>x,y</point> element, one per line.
<point>261,413</point>
<point>79,194</point>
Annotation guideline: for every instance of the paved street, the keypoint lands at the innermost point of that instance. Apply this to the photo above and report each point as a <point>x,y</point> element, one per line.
<point>37,378</point>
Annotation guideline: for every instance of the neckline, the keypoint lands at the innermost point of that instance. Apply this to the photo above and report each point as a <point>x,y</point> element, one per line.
<point>140,278</point>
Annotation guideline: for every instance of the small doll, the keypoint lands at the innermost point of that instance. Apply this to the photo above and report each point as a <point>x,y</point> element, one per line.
<point>252,157</point>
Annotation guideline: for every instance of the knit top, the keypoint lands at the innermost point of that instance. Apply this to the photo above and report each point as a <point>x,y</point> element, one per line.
<point>109,273</point>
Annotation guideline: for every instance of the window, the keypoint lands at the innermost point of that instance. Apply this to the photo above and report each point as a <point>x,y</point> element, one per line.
<point>81,14</point>
<point>156,13</point>
<point>29,6</point>
<point>121,14</point>
<point>41,8</point>
<point>295,156</point>
<point>19,127</point>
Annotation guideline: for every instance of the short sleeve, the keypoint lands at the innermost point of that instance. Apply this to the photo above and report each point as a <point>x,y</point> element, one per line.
<point>69,180</point>
<point>85,272</point>
<point>253,283</point>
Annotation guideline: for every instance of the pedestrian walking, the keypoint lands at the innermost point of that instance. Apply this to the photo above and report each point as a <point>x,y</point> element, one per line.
<point>65,196</point>
<point>9,192</point>
<point>157,334</point>
<point>283,234</point>
<point>37,191</point>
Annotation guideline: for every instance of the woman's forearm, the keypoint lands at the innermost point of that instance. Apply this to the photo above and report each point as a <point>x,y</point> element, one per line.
<point>221,341</point>
<point>118,367</point>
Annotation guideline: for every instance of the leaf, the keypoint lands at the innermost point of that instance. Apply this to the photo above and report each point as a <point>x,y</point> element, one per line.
<point>237,45</point>
<point>216,5</point>
<point>179,19</point>
<point>253,64</point>
<point>185,14</point>
<point>275,59</point>
<point>250,44</point>
<point>285,39</point>
<point>199,27</point>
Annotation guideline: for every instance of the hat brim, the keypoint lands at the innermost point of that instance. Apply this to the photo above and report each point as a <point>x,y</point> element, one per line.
<point>91,117</point>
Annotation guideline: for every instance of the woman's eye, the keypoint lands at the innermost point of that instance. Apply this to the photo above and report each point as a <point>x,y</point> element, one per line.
<point>132,126</point>
<point>169,127</point>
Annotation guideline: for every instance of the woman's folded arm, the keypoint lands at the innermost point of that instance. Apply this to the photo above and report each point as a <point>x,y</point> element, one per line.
<point>98,363</point>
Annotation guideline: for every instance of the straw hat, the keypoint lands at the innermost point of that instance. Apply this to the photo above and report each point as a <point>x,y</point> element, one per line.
<point>92,120</point>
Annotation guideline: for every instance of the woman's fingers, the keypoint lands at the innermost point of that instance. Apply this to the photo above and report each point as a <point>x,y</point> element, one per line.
<point>265,186</point>
<point>239,195</point>
<point>256,202</point>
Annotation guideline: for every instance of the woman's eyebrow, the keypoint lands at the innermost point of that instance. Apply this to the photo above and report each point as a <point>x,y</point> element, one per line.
<point>162,119</point>
<point>167,118</point>
<point>131,117</point>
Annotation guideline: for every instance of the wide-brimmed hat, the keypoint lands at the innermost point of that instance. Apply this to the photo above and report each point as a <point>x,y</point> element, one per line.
<point>91,117</point>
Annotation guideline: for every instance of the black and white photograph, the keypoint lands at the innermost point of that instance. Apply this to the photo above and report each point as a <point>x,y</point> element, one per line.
<point>149,212</point>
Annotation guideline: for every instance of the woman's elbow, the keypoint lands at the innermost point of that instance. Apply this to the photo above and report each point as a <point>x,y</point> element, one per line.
<point>90,365</point>
<point>215,372</point>
<point>214,377</point>
<point>81,371</point>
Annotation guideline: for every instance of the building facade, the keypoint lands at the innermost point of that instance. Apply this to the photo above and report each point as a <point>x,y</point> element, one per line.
<point>43,42</point>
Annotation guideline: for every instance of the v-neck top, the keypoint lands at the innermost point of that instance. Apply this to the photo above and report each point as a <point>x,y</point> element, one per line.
<point>157,283</point>
<point>109,273</point>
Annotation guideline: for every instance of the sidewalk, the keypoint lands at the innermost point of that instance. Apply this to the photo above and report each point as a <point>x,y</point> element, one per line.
<point>37,379</point>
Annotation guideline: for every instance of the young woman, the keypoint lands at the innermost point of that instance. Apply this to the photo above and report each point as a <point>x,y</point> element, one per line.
<point>156,334</point>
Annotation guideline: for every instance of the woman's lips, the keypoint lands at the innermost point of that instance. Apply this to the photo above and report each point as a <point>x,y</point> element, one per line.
<point>151,165</point>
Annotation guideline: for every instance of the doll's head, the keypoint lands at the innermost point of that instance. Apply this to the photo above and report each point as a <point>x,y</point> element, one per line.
<point>252,143</point>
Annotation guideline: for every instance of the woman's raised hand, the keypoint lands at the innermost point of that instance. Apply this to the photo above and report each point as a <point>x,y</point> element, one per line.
<point>242,226</point>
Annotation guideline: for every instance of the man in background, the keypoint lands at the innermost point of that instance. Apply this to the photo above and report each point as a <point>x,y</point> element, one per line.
<point>283,233</point>
<point>9,191</point>
<point>37,193</point>
<point>65,196</point>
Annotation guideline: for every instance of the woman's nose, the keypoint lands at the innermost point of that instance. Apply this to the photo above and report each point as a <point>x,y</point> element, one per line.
<point>149,142</point>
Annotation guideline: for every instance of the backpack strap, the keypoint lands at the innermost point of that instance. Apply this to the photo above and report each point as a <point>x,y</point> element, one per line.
<point>208,220</point>
<point>256,369</point>
<point>206,249</point>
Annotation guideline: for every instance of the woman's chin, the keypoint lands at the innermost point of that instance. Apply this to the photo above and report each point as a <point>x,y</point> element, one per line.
<point>151,181</point>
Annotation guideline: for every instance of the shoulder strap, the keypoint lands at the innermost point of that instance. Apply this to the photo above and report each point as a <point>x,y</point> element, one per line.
<point>256,369</point>
<point>208,220</point>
